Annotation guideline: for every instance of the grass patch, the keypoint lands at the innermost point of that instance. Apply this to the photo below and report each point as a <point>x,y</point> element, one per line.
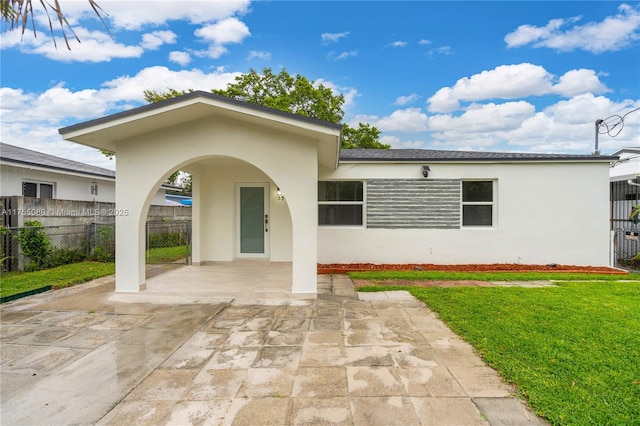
<point>166,254</point>
<point>490,276</point>
<point>573,350</point>
<point>59,277</point>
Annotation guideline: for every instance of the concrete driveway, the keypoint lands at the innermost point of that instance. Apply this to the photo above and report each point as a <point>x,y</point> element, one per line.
<point>79,356</point>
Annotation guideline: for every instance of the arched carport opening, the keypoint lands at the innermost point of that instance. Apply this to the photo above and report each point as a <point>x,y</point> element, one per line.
<point>237,213</point>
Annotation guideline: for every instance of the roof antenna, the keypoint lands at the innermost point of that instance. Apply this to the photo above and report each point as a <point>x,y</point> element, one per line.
<point>609,125</point>
<point>598,124</point>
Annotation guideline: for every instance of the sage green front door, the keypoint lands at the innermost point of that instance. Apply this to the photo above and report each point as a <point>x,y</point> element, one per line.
<point>252,220</point>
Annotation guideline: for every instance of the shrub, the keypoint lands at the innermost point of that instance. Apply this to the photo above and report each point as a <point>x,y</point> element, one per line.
<point>164,239</point>
<point>633,263</point>
<point>101,255</point>
<point>35,245</point>
<point>64,256</point>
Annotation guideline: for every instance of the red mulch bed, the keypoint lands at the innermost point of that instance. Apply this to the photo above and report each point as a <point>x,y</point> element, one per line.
<point>343,268</point>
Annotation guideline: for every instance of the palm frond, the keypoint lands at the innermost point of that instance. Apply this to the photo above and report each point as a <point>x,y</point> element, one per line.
<point>16,14</point>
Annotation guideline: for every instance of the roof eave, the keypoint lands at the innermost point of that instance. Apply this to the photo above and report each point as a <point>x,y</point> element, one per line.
<point>10,161</point>
<point>599,159</point>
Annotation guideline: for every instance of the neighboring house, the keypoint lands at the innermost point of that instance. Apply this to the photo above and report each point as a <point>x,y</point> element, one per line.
<point>276,186</point>
<point>35,174</point>
<point>626,168</point>
<point>625,194</point>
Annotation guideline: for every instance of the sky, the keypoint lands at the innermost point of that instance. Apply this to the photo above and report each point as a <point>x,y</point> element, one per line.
<point>501,76</point>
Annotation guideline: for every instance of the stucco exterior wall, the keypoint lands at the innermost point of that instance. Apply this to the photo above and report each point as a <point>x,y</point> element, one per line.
<point>218,224</point>
<point>66,186</point>
<point>545,213</point>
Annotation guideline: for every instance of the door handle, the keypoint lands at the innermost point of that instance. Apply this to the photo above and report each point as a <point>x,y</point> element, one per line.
<point>266,223</point>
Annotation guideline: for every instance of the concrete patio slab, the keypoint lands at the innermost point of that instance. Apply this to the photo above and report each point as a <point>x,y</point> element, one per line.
<point>83,356</point>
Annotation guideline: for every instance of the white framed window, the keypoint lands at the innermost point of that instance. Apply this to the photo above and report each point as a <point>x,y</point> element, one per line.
<point>341,203</point>
<point>478,203</point>
<point>37,189</point>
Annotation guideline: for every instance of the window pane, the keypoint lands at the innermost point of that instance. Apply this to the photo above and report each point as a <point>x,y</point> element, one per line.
<point>340,191</point>
<point>29,189</point>
<point>475,191</point>
<point>477,215</point>
<point>46,190</point>
<point>339,214</point>
<point>350,191</point>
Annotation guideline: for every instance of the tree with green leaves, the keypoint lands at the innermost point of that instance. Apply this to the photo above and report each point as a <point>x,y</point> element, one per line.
<point>296,95</point>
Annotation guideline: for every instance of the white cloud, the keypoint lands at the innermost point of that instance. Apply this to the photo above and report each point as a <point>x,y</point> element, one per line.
<point>134,15</point>
<point>51,106</point>
<point>566,126</point>
<point>397,143</point>
<point>333,37</point>
<point>226,31</point>
<point>505,82</point>
<point>131,88</point>
<point>349,93</point>
<point>424,42</point>
<point>410,120</point>
<point>526,34</point>
<point>398,43</point>
<point>403,100</point>
<point>32,119</point>
<point>484,118</point>
<point>230,30</point>
<point>611,34</point>
<point>95,46</point>
<point>577,82</point>
<point>332,56</point>
<point>442,50</point>
<point>182,58</point>
<point>254,54</point>
<point>512,82</point>
<point>154,40</point>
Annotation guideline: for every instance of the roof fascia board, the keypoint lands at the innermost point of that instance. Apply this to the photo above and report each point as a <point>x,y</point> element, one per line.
<point>480,161</point>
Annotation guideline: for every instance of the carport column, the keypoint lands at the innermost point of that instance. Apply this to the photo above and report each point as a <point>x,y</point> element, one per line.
<point>304,221</point>
<point>195,219</point>
<point>130,267</point>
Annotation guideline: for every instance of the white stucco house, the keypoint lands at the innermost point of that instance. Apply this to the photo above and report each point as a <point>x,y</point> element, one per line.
<point>29,173</point>
<point>273,185</point>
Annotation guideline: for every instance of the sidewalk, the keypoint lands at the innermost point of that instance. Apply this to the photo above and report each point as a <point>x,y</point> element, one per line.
<point>76,357</point>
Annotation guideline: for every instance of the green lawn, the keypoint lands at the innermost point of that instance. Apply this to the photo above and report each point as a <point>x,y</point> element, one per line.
<point>75,273</point>
<point>62,276</point>
<point>573,350</point>
<point>166,254</point>
<point>489,276</point>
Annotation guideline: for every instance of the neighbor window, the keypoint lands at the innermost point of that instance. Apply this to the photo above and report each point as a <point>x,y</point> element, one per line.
<point>37,189</point>
<point>477,203</point>
<point>340,203</point>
